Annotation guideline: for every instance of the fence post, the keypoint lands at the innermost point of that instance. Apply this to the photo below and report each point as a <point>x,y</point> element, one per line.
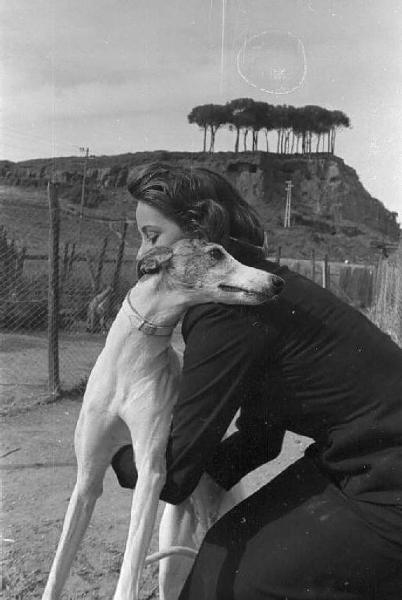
<point>21,260</point>
<point>116,274</point>
<point>65,264</point>
<point>313,265</point>
<point>71,260</point>
<point>53,292</point>
<point>326,273</point>
<point>101,258</point>
<point>278,255</point>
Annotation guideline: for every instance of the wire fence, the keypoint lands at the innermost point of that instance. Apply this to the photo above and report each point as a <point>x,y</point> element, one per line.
<point>51,340</point>
<point>386,308</point>
<point>45,353</point>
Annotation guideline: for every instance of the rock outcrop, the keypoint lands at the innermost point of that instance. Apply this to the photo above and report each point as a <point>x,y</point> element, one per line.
<point>327,195</point>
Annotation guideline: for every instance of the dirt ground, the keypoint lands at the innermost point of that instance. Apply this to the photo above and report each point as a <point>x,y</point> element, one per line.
<point>37,476</point>
<point>24,366</point>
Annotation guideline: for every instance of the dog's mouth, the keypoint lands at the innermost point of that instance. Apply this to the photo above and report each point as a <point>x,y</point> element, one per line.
<point>236,290</point>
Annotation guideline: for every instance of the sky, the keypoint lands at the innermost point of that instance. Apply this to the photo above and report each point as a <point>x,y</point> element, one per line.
<point>122,75</point>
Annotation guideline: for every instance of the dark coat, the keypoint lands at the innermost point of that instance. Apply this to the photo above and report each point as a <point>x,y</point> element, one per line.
<point>305,362</point>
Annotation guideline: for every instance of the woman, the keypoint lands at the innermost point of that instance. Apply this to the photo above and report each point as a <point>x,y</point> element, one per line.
<point>330,526</point>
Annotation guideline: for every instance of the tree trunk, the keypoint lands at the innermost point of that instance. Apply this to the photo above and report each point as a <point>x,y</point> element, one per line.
<point>212,141</point>
<point>236,149</point>
<point>318,142</point>
<point>266,139</point>
<point>245,140</point>
<point>287,142</point>
<point>204,148</point>
<point>333,142</point>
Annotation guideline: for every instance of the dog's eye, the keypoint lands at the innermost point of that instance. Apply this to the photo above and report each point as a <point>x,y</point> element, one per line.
<point>216,253</point>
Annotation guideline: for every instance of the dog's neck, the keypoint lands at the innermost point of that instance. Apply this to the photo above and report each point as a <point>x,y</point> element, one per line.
<point>132,350</point>
<point>162,309</point>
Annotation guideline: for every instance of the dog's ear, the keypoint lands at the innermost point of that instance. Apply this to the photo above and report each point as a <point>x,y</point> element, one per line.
<point>153,260</point>
<point>209,220</point>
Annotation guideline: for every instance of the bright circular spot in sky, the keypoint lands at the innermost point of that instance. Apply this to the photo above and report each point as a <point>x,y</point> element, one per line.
<point>273,61</point>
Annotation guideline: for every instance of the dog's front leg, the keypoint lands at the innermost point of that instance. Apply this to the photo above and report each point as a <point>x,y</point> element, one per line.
<point>186,525</point>
<point>178,527</point>
<point>86,491</point>
<point>151,477</point>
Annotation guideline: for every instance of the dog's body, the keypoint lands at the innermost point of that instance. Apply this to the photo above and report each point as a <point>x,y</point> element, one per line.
<point>129,399</point>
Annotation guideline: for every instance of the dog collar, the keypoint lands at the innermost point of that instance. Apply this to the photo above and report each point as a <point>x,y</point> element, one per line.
<point>142,324</point>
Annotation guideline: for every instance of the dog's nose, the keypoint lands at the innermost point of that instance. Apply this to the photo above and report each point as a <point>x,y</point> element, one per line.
<point>277,284</point>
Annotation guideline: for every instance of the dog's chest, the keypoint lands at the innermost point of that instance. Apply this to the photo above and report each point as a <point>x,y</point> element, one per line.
<point>149,387</point>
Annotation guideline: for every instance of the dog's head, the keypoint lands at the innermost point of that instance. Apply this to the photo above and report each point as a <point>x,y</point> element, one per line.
<point>206,272</point>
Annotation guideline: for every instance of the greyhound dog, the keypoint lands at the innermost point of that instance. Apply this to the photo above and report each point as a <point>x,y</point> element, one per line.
<point>129,399</point>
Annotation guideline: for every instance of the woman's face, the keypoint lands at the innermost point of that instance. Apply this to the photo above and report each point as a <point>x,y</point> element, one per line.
<point>155,229</point>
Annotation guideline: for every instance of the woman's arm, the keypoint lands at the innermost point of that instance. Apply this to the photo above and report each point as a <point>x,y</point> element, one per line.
<point>241,453</point>
<point>222,370</point>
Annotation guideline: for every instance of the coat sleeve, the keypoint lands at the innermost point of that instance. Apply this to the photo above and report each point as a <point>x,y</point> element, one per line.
<point>223,358</point>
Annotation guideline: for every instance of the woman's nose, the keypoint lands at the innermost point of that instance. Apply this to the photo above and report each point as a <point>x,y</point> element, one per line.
<point>140,252</point>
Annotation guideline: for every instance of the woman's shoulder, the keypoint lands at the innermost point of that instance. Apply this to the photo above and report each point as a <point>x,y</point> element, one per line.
<point>248,324</point>
<point>209,314</point>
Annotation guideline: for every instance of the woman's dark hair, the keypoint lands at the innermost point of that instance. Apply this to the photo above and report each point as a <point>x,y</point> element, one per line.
<point>202,202</point>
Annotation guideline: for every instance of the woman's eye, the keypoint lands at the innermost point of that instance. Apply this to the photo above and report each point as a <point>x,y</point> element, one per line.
<point>152,238</point>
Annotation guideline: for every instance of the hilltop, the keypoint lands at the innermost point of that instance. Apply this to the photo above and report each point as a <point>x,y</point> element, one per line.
<point>331,210</point>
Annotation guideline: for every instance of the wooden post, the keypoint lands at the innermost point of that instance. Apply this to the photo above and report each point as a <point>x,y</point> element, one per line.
<point>278,255</point>
<point>65,263</point>
<point>84,176</point>
<point>325,273</point>
<point>9,263</point>
<point>313,273</point>
<point>3,262</point>
<point>116,275</point>
<point>19,266</point>
<point>53,292</point>
<point>21,260</point>
<point>14,267</point>
<point>89,260</point>
<point>328,276</point>
<point>71,260</point>
<point>98,276</point>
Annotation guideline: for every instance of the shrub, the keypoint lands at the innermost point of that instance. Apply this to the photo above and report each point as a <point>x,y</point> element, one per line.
<point>93,197</point>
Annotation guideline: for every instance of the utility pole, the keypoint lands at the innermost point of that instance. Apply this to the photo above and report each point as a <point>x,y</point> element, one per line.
<point>53,291</point>
<point>86,150</point>
<point>288,206</point>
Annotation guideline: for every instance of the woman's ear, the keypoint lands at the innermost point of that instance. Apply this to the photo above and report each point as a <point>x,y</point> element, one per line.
<point>153,260</point>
